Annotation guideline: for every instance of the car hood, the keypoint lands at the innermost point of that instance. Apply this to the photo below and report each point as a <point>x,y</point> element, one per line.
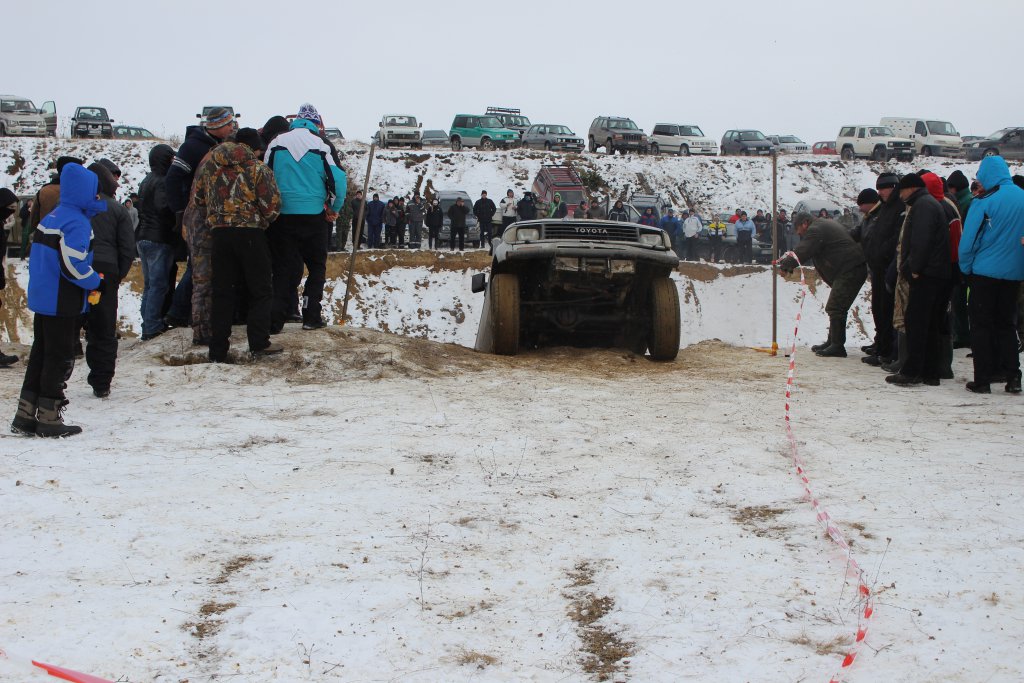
<point>756,143</point>
<point>23,117</point>
<point>499,131</point>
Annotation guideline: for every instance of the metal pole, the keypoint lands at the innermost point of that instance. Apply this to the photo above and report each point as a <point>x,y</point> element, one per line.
<point>775,251</point>
<point>356,237</point>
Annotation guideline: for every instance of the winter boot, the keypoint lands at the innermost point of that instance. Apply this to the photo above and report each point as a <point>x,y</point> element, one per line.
<point>837,337</point>
<point>824,344</point>
<point>6,360</point>
<point>25,419</point>
<point>1013,384</point>
<point>901,355</point>
<point>50,419</point>
<point>945,356</point>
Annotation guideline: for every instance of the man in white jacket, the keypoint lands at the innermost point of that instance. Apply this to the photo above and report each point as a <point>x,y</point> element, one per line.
<point>507,207</point>
<point>692,226</point>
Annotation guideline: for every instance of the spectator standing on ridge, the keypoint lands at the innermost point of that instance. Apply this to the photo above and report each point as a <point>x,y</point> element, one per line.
<point>484,211</point>
<point>508,210</point>
<point>959,317</point>
<point>673,228</point>
<point>113,247</point>
<point>840,263</point>
<point>376,213</point>
<point>879,243</point>
<point>391,222</point>
<point>648,218</point>
<point>582,210</point>
<point>414,215</point>
<point>355,205</point>
<point>717,230</point>
<point>736,216</point>
<point>559,209</point>
<point>760,225</point>
<point>992,257</point>
<point>133,212</point>
<point>8,205</point>
<point>61,279</point>
<point>435,221</point>
<point>692,226</point>
<point>526,209</point>
<point>401,222</point>
<point>745,237</point>
<point>312,188</point>
<point>618,212</point>
<point>155,241</point>
<point>457,213</point>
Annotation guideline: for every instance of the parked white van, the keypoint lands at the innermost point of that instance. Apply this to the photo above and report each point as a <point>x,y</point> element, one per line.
<point>930,137</point>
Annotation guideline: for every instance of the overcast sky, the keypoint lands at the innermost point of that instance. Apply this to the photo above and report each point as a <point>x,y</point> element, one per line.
<point>800,67</point>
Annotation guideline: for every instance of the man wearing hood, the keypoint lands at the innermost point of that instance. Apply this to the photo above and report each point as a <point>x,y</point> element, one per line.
<point>312,188</point>
<point>559,209</point>
<point>239,196</point>
<point>156,240</point>
<point>435,221</point>
<point>879,237</point>
<point>45,201</point>
<point>526,209</point>
<point>414,215</point>
<point>992,258</point>
<point>61,279</point>
<point>113,248</point>
<point>8,205</point>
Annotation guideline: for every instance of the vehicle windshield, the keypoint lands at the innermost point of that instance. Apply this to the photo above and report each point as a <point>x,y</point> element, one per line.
<point>751,135</point>
<point>490,122</point>
<point>622,123</point>
<point>518,121</point>
<point>790,138</point>
<point>995,136</point>
<point>881,132</point>
<point>401,121</point>
<point>19,106</point>
<point>691,131</point>
<point>573,197</point>
<point>143,133</point>
<point>92,113</point>
<point>560,130</point>
<point>941,128</point>
<point>207,110</point>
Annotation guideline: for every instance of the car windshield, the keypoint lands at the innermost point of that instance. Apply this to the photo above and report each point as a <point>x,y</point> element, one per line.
<point>571,196</point>
<point>143,133</point>
<point>941,128</point>
<point>402,121</point>
<point>998,134</point>
<point>490,122</point>
<point>560,130</point>
<point>92,113</point>
<point>622,123</point>
<point>751,135</point>
<point>881,132</point>
<point>790,138</point>
<point>691,131</point>
<point>518,121</point>
<point>20,106</point>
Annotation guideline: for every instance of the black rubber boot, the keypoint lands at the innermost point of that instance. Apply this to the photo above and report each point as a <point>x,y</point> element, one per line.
<point>901,355</point>
<point>824,344</point>
<point>50,420</point>
<point>25,419</point>
<point>837,336</point>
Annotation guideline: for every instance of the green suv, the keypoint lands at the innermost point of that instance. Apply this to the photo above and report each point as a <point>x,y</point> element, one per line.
<point>485,132</point>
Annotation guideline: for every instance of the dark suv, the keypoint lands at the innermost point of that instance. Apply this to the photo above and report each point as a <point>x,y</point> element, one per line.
<point>91,122</point>
<point>745,142</point>
<point>616,133</point>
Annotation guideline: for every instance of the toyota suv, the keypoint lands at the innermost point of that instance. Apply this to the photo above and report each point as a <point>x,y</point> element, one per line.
<point>19,116</point>
<point>745,142</point>
<point>485,132</point>
<point>616,133</point>
<point>684,140</point>
<point>873,142</point>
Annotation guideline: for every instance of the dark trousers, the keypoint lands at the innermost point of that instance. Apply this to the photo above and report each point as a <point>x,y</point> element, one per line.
<point>505,222</point>
<point>691,248</point>
<point>993,311</point>
<point>241,263</point>
<point>101,330</point>
<point>845,289</point>
<point>52,358</point>
<point>744,240</point>
<point>486,229</point>
<point>432,236</point>
<point>373,235</point>
<point>716,248</point>
<point>924,320</point>
<point>883,303</point>
<point>959,317</point>
<point>460,233</point>
<point>298,240</point>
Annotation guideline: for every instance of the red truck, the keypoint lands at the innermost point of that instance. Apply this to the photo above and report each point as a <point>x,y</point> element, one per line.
<point>561,179</point>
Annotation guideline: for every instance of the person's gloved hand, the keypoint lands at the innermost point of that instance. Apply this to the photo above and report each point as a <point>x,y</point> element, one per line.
<point>96,294</point>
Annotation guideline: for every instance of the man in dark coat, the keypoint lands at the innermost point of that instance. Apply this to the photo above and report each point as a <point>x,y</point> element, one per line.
<point>457,213</point>
<point>435,221</point>
<point>924,263</point>
<point>840,263</point>
<point>526,208</point>
<point>156,241</point>
<point>355,206</point>
<point>375,215</point>
<point>484,210</point>
<point>879,236</point>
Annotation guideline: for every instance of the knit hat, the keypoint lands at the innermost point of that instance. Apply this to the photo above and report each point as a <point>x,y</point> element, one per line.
<point>957,181</point>
<point>250,137</point>
<point>887,180</point>
<point>867,196</point>
<point>911,181</point>
<point>308,111</point>
<point>218,117</point>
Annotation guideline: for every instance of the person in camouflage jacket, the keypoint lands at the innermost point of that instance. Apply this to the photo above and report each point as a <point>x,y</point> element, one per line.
<point>239,197</point>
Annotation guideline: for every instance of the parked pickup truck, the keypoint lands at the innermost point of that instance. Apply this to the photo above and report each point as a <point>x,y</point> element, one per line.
<point>580,282</point>
<point>873,142</point>
<point>397,130</point>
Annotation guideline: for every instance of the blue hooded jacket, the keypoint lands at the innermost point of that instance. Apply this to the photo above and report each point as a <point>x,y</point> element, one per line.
<point>991,242</point>
<point>305,171</point>
<point>60,274</point>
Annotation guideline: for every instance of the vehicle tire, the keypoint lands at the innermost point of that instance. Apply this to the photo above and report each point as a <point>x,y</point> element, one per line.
<point>655,150</point>
<point>3,131</point>
<point>456,144</point>
<point>684,151</point>
<point>991,152</point>
<point>592,145</point>
<point>504,302</point>
<point>926,151</point>
<point>879,154</point>
<point>547,147</point>
<point>846,154</point>
<point>664,338</point>
<point>609,148</point>
<point>487,144</point>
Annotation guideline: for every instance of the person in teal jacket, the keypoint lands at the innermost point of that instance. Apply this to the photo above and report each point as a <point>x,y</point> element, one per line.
<point>992,259</point>
<point>313,191</point>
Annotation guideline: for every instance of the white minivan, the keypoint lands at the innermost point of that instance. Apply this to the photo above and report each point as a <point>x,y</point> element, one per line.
<point>931,137</point>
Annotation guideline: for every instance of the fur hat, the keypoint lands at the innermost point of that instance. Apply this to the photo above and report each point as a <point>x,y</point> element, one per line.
<point>912,181</point>
<point>867,196</point>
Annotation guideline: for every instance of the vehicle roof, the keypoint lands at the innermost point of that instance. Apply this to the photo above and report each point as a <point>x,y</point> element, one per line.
<point>384,116</point>
<point>435,130</point>
<point>605,116</point>
<point>670,123</point>
<point>16,97</point>
<point>551,124</point>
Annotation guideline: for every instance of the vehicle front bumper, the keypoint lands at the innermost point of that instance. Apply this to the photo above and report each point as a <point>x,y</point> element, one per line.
<point>534,251</point>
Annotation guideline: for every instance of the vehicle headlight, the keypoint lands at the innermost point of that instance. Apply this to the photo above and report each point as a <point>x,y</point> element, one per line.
<point>527,235</point>
<point>650,239</point>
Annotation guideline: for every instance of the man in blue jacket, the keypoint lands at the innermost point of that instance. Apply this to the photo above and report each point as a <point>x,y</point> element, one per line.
<point>992,259</point>
<point>671,225</point>
<point>61,278</point>
<point>313,191</point>
<point>375,215</point>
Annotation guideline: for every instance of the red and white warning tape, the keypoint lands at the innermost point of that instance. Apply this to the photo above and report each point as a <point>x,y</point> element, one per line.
<point>27,665</point>
<point>865,598</point>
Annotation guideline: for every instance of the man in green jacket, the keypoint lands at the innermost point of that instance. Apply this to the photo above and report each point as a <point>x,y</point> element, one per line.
<point>840,263</point>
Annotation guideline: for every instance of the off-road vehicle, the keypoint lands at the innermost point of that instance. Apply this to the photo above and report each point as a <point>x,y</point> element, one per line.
<point>681,139</point>
<point>19,116</point>
<point>616,133</point>
<point>873,142</point>
<point>583,283</point>
<point>397,130</point>
<point>510,118</point>
<point>91,122</point>
<point>485,132</point>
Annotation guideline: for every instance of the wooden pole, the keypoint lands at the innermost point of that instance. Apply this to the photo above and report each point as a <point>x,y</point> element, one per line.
<point>356,237</point>
<point>775,251</point>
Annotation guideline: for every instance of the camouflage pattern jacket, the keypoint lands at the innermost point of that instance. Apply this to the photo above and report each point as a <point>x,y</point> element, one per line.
<point>236,190</point>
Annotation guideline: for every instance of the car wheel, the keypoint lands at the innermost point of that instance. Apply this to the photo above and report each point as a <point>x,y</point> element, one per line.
<point>504,302</point>
<point>664,337</point>
<point>592,146</point>
<point>3,131</point>
<point>456,144</point>
<point>846,154</point>
<point>487,144</point>
<point>655,150</point>
<point>991,152</point>
<point>547,146</point>
<point>684,151</point>
<point>926,151</point>
<point>878,154</point>
<point>609,148</point>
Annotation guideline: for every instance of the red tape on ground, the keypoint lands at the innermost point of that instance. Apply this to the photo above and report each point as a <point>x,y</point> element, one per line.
<point>866,607</point>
